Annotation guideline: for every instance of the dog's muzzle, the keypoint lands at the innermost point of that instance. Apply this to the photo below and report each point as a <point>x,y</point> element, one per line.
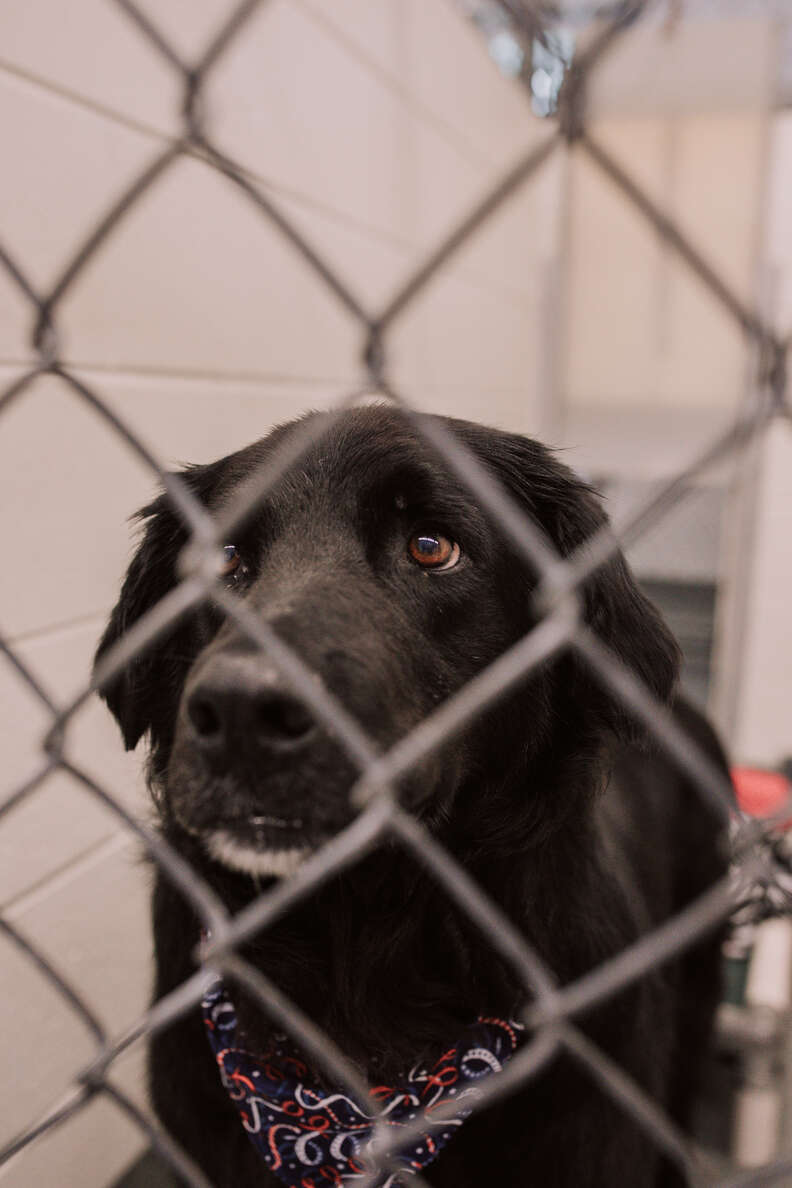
<point>252,774</point>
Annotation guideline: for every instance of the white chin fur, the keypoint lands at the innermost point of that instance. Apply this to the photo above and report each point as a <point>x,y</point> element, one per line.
<point>277,864</point>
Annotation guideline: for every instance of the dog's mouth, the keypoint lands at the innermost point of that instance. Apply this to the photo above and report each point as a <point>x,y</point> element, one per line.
<point>264,822</point>
<point>261,845</point>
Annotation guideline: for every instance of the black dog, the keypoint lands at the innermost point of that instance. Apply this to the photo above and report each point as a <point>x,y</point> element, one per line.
<point>375,564</point>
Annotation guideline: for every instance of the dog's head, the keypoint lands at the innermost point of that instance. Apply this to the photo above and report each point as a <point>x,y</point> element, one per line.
<point>375,564</point>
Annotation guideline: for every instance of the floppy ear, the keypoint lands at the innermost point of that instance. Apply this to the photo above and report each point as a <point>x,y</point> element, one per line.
<point>150,576</point>
<point>631,627</point>
<point>570,512</point>
<point>133,695</point>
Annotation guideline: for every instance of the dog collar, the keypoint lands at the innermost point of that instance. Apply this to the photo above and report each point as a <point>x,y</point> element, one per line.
<point>313,1137</point>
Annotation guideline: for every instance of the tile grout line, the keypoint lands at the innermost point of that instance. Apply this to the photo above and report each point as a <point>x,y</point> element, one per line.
<point>252,378</point>
<point>20,904</point>
<point>84,101</point>
<point>61,626</point>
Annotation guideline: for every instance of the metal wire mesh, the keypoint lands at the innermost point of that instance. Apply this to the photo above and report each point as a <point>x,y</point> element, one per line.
<point>553,1008</point>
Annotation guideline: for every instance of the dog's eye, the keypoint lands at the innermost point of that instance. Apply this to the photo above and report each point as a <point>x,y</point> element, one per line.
<point>231,560</point>
<point>433,551</point>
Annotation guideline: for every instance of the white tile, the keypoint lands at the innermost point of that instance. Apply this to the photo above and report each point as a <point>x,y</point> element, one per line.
<point>298,109</point>
<point>717,200</point>
<point>642,327</point>
<point>294,105</point>
<point>451,72</point>
<point>93,50</point>
<point>194,277</point>
<point>302,110</point>
<point>197,279</point>
<point>17,321</point>
<point>718,65</point>
<point>68,484</point>
<point>94,929</point>
<point>513,410</point>
<point>509,250</point>
<point>90,1150</point>
<point>60,819</point>
<point>42,1039</point>
<point>188,25</point>
<point>464,336</point>
<point>721,219</point>
<point>614,262</point>
<point>429,55</point>
<point>94,924</point>
<point>66,487</point>
<point>762,722</point>
<point>434,56</point>
<point>636,442</point>
<point>194,420</point>
<point>375,30</point>
<point>514,247</point>
<point>64,166</point>
<point>778,228</point>
<point>460,339</point>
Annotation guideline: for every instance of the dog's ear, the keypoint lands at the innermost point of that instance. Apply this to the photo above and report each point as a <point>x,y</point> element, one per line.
<point>133,694</point>
<point>634,630</point>
<point>570,512</point>
<point>151,574</point>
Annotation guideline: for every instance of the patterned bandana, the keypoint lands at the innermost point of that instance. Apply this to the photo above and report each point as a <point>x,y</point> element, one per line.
<point>312,1137</point>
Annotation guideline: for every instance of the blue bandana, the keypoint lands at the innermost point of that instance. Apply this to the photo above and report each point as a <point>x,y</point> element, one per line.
<point>312,1137</point>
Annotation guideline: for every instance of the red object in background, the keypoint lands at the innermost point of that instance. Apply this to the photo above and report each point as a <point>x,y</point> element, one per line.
<point>761,793</point>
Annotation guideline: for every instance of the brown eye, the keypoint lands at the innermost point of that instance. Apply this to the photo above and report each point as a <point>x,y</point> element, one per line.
<point>231,560</point>
<point>432,551</point>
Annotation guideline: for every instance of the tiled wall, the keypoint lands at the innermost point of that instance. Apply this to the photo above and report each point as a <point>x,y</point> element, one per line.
<point>374,123</point>
<point>763,695</point>
<point>683,109</point>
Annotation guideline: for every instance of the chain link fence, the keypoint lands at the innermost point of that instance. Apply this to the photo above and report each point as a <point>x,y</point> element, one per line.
<point>553,1008</point>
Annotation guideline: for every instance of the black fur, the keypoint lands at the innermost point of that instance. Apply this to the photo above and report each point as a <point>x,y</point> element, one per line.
<point>551,799</point>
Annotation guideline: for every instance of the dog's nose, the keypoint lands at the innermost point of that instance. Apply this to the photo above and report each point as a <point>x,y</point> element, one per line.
<point>229,716</point>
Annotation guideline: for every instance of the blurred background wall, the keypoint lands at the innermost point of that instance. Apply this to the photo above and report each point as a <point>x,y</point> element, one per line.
<point>375,124</point>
